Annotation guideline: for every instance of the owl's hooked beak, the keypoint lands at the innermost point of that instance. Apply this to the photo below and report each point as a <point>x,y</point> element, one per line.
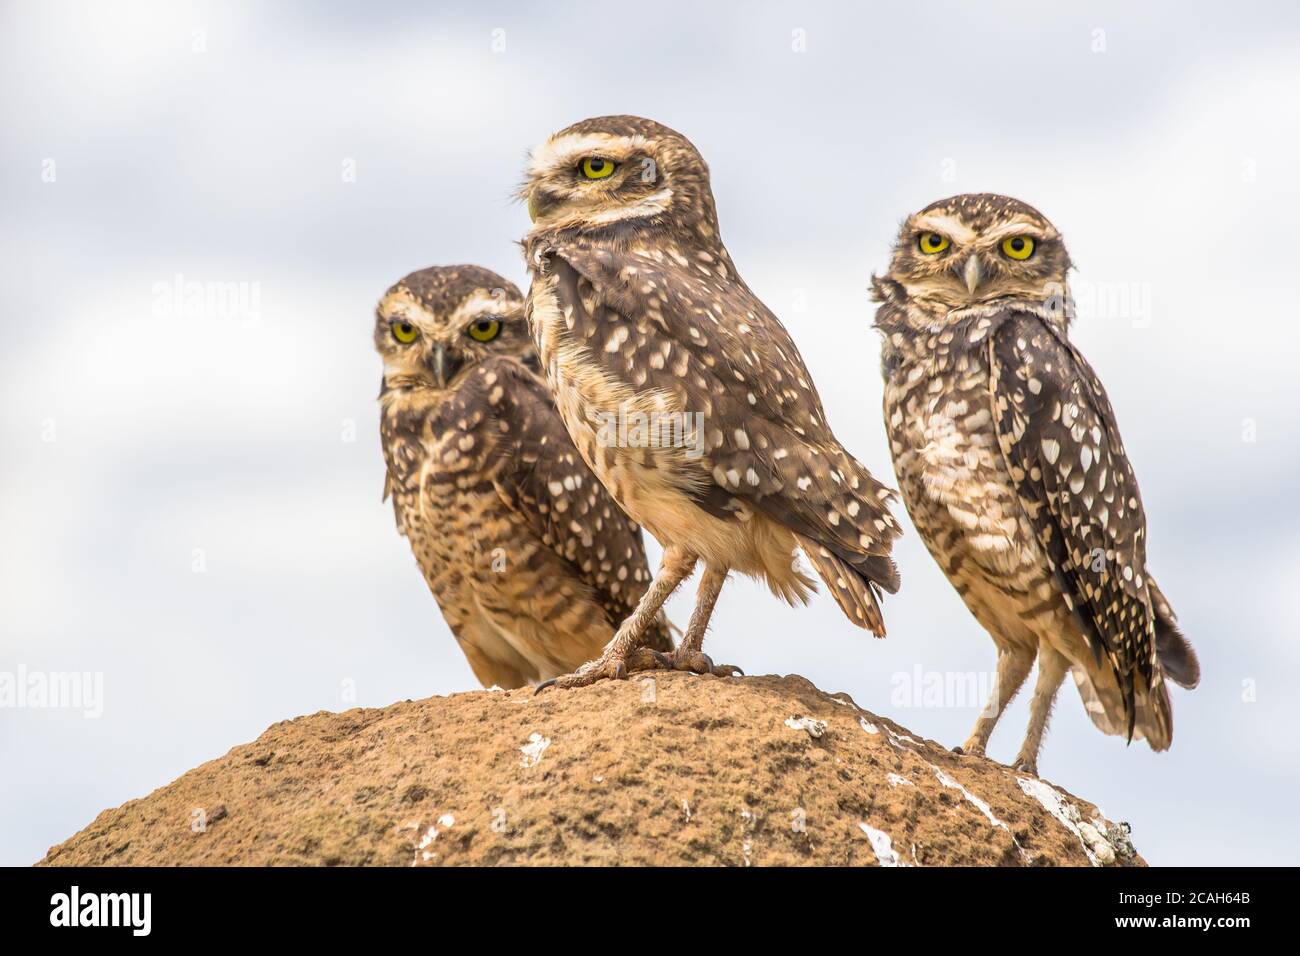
<point>972,274</point>
<point>540,203</point>
<point>445,365</point>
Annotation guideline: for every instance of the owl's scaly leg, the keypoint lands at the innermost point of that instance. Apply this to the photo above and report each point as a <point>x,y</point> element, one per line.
<point>688,656</point>
<point>1052,668</point>
<point>676,567</point>
<point>1014,664</point>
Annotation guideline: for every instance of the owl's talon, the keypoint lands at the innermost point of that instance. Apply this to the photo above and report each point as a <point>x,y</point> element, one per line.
<point>648,659</point>
<point>603,668</point>
<point>697,662</point>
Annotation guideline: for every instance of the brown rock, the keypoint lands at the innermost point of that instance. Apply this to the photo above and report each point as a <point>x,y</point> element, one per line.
<point>683,770</point>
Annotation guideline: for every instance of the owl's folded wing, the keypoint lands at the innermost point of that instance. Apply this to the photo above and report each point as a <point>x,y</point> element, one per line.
<point>1057,430</point>
<point>695,334</point>
<point>542,478</point>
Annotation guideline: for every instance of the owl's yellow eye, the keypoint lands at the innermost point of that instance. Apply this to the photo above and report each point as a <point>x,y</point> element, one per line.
<point>1018,247</point>
<point>593,167</point>
<point>484,330</point>
<point>405,332</point>
<point>932,242</point>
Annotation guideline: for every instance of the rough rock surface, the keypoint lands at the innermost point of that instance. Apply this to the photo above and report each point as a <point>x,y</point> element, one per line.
<point>666,769</point>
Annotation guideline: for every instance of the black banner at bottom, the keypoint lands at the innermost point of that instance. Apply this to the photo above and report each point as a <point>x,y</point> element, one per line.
<point>210,905</point>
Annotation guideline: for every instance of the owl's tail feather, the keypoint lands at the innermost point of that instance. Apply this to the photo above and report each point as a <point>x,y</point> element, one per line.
<point>1153,716</point>
<point>855,593</point>
<point>1174,651</point>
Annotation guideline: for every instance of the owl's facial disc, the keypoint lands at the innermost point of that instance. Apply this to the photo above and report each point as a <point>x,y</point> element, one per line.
<point>433,359</point>
<point>430,348</point>
<point>593,179</point>
<point>950,263</point>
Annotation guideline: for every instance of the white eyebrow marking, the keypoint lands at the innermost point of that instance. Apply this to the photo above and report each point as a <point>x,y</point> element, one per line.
<point>1021,227</point>
<point>559,152</point>
<point>405,306</point>
<point>950,226</point>
<point>483,302</point>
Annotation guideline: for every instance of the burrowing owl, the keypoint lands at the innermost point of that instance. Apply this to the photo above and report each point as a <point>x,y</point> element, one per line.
<point>1012,468</point>
<point>529,558</point>
<point>682,391</point>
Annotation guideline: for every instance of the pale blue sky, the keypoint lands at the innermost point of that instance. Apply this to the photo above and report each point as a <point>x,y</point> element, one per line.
<point>211,141</point>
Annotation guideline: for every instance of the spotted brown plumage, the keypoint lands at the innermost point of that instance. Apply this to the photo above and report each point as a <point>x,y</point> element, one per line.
<point>1057,430</point>
<point>638,313</point>
<point>1010,463</point>
<point>529,559</point>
